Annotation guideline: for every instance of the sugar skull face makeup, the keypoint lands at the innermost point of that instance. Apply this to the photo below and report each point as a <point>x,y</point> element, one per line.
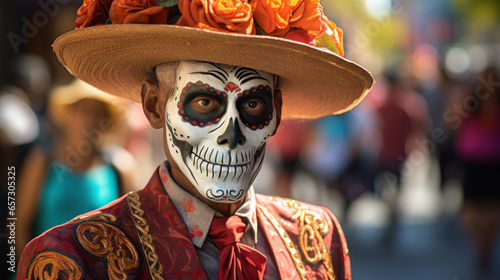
<point>218,120</point>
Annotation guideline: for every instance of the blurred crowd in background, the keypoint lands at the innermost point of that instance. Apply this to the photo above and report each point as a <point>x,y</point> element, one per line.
<point>413,172</point>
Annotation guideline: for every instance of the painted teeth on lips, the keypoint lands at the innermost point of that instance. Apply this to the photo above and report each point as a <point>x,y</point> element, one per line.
<point>223,158</point>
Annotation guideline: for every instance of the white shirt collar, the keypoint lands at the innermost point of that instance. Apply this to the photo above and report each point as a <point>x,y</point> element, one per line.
<point>197,216</point>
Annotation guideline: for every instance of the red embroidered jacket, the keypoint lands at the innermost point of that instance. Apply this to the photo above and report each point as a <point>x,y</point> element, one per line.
<point>141,235</point>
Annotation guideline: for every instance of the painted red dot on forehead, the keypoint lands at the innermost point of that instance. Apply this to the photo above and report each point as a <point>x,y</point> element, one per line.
<point>232,87</point>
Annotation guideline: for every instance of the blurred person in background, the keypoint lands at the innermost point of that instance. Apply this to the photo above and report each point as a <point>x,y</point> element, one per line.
<point>333,153</point>
<point>18,128</point>
<point>477,146</point>
<point>288,142</point>
<point>77,170</point>
<point>403,116</point>
<point>31,73</point>
<point>404,122</point>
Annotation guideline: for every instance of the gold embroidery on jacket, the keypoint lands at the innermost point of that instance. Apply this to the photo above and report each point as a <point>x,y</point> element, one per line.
<point>294,253</point>
<point>312,230</point>
<point>53,265</point>
<point>97,217</point>
<point>141,225</point>
<point>108,242</point>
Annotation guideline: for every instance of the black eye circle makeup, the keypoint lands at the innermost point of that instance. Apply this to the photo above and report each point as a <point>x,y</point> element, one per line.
<point>203,105</point>
<point>256,107</point>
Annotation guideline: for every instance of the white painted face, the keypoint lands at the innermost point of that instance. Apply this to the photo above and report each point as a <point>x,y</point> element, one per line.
<point>218,121</point>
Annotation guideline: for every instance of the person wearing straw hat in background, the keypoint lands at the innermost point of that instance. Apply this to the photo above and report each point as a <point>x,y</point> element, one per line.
<point>217,77</point>
<point>75,172</point>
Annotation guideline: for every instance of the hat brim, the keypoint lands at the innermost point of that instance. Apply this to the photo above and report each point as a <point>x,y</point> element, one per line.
<point>116,58</point>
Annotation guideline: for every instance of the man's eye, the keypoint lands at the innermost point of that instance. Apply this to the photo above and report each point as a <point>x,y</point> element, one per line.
<point>252,104</point>
<point>254,107</point>
<point>204,104</point>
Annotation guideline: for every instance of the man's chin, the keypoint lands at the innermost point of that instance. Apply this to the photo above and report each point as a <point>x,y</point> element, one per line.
<point>228,194</point>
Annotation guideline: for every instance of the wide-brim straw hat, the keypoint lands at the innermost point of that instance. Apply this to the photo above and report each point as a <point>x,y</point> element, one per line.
<point>116,58</point>
<point>62,97</point>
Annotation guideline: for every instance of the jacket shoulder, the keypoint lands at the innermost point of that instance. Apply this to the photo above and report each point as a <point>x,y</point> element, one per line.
<point>300,219</point>
<point>285,208</point>
<point>102,241</point>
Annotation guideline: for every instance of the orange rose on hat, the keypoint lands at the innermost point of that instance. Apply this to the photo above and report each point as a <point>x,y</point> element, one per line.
<point>309,16</point>
<point>277,17</point>
<point>219,15</point>
<point>273,15</point>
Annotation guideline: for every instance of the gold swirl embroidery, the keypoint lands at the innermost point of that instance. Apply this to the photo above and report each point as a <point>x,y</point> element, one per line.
<point>106,241</point>
<point>97,217</point>
<point>312,229</point>
<point>288,243</point>
<point>141,225</point>
<point>53,265</point>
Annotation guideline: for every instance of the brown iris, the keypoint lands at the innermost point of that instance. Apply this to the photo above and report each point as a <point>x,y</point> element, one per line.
<point>204,104</point>
<point>254,107</point>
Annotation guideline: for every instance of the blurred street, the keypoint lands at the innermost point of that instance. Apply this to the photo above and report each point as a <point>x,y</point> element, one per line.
<point>428,242</point>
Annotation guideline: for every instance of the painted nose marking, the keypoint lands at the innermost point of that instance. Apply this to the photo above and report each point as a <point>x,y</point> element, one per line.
<point>232,135</point>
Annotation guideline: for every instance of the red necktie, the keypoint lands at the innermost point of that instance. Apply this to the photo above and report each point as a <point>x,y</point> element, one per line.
<point>237,261</point>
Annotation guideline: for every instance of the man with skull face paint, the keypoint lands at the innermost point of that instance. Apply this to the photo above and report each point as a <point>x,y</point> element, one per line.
<point>218,96</point>
<point>217,122</point>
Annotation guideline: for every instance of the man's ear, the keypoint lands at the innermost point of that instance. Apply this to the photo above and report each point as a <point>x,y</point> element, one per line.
<point>278,103</point>
<point>153,104</point>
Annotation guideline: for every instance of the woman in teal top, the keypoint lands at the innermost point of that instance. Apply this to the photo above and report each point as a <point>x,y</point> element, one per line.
<point>70,193</point>
<point>73,176</point>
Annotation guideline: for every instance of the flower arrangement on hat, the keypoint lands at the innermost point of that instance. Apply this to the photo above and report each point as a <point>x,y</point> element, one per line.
<point>296,20</point>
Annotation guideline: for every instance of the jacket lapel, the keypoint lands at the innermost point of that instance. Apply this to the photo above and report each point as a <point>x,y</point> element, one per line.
<point>176,252</point>
<point>281,254</point>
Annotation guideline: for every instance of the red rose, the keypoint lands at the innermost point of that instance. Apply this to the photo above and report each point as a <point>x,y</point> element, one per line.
<point>137,11</point>
<point>92,12</point>
<point>299,36</point>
